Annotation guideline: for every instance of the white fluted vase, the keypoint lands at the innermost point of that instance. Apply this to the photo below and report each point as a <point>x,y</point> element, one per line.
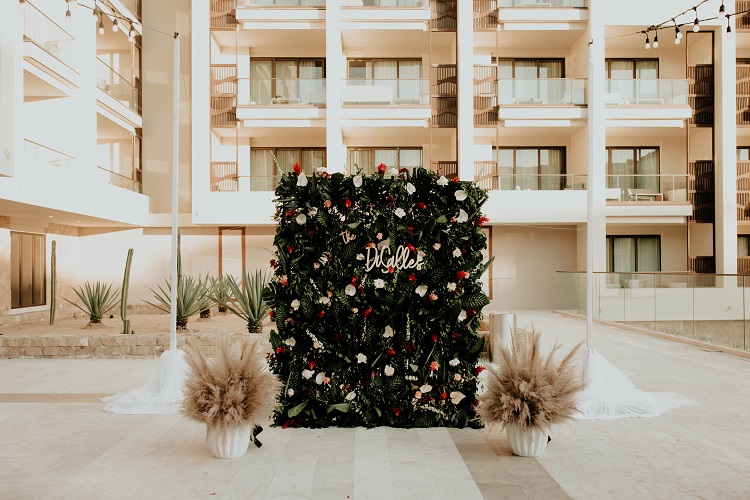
<point>228,442</point>
<point>526,442</point>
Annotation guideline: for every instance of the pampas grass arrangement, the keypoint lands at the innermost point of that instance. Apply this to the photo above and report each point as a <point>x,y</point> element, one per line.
<point>233,390</point>
<point>530,390</point>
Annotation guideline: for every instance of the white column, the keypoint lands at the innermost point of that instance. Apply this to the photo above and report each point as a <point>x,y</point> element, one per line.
<point>725,168</point>
<point>200,88</point>
<point>465,68</point>
<point>11,85</point>
<point>597,138</point>
<point>335,75</point>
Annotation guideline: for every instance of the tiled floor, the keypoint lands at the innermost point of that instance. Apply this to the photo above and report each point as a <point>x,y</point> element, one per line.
<point>56,442</point>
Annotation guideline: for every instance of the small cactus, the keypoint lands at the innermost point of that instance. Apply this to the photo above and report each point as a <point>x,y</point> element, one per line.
<point>53,284</point>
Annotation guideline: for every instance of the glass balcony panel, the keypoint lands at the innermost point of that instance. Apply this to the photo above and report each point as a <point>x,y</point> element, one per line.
<point>488,176</point>
<point>641,187</point>
<point>117,86</point>
<point>389,4</point>
<point>579,4</point>
<point>647,92</point>
<point>119,180</point>
<point>542,91</point>
<point>36,151</point>
<point>279,91</point>
<point>282,3</point>
<point>386,92</point>
<point>48,35</point>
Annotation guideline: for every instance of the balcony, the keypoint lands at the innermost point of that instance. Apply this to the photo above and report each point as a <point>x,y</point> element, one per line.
<point>486,176</point>
<point>386,102</point>
<point>37,152</point>
<point>224,178</point>
<point>119,180</point>
<point>282,91</point>
<point>519,15</point>
<point>648,188</point>
<point>742,20</point>
<point>49,54</point>
<point>559,100</point>
<point>279,14</point>
<point>372,14</point>
<point>117,93</point>
<point>448,169</point>
<point>658,100</point>
<point>743,93</point>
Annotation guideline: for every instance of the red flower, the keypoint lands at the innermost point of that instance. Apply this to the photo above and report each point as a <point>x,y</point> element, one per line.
<point>396,411</point>
<point>461,275</point>
<point>297,168</point>
<point>313,364</point>
<point>290,213</point>
<point>434,338</point>
<point>434,366</point>
<point>327,203</point>
<point>361,289</point>
<point>420,206</point>
<point>280,350</point>
<point>367,312</point>
<point>433,297</point>
<point>310,232</point>
<point>456,336</point>
<point>482,220</point>
<point>274,263</point>
<point>355,280</point>
<point>321,314</point>
<point>382,168</point>
<point>348,203</point>
<point>456,180</point>
<point>411,248</point>
<point>271,315</point>
<point>412,278</point>
<point>284,281</point>
<point>478,369</point>
<point>391,269</point>
<point>288,423</point>
<point>390,352</point>
<point>443,396</point>
<point>289,321</point>
<point>290,248</point>
<point>403,170</point>
<point>410,230</point>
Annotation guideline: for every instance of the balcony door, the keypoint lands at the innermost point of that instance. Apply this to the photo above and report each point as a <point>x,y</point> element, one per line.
<point>366,160</point>
<point>288,81</point>
<point>530,168</point>
<point>530,85</point>
<point>633,254</point>
<point>402,75</point>
<point>633,79</point>
<point>633,168</point>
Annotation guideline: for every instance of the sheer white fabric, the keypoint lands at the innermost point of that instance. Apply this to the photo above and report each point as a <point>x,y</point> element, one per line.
<point>162,394</point>
<point>610,394</point>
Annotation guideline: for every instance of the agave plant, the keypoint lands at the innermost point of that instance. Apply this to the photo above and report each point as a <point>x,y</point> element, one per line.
<point>248,301</point>
<point>220,292</point>
<point>192,296</point>
<point>97,299</point>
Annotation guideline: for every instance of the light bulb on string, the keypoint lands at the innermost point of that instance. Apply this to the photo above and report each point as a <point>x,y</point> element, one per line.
<point>22,4</point>
<point>67,14</point>
<point>95,13</point>
<point>677,36</point>
<point>101,24</point>
<point>696,23</point>
<point>722,9</point>
<point>729,28</point>
<point>648,42</point>
<point>132,33</point>
<point>115,25</point>
<point>656,40</point>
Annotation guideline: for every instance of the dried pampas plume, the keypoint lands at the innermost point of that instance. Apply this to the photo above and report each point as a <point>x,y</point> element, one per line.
<point>530,390</point>
<point>233,388</point>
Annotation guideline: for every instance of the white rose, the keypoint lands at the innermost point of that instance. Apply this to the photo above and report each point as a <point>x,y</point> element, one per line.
<point>399,212</point>
<point>320,170</point>
<point>410,188</point>
<point>313,212</point>
<point>307,373</point>
<point>290,392</point>
<point>324,300</point>
<point>425,388</point>
<point>457,377</point>
<point>319,378</point>
<point>316,345</point>
<point>462,315</point>
<point>357,181</point>
<point>442,181</point>
<point>301,219</point>
<point>421,290</point>
<point>360,256</point>
<point>291,342</point>
<point>379,283</point>
<point>454,362</point>
<point>351,396</point>
<point>460,195</point>
<point>456,397</point>
<point>436,246</point>
<point>388,332</point>
<point>295,304</point>
<point>462,216</point>
<point>388,370</point>
<point>350,290</point>
<point>302,179</point>
<point>361,358</point>
<point>379,236</point>
<point>457,252</point>
<point>451,287</point>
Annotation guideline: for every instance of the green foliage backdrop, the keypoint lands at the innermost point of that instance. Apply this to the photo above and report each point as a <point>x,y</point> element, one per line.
<point>376,299</point>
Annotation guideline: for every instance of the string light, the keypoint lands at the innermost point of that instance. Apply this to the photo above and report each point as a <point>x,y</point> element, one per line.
<point>132,33</point>
<point>696,23</point>
<point>67,12</point>
<point>721,9</point>
<point>677,35</point>
<point>101,24</point>
<point>22,4</point>
<point>648,42</point>
<point>115,26</point>
<point>95,13</point>
<point>656,40</point>
<point>729,27</point>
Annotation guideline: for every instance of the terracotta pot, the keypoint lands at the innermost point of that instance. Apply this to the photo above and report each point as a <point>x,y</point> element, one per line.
<point>229,442</point>
<point>526,442</point>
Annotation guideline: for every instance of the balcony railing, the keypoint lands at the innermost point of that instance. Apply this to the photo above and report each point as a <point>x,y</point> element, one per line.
<point>486,176</point>
<point>387,4</point>
<point>542,91</point>
<point>48,35</point>
<point>244,183</point>
<point>117,86</point>
<point>36,151</point>
<point>656,92</point>
<point>742,20</point>
<point>575,4</point>
<point>743,265</point>
<point>386,92</point>
<point>743,190</point>
<point>643,187</point>
<point>120,180</point>
<point>282,3</point>
<point>448,169</point>
<point>278,91</point>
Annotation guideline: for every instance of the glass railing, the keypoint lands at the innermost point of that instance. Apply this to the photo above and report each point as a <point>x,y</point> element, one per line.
<point>531,182</point>
<point>664,187</point>
<point>114,84</point>
<point>579,4</point>
<point>542,91</point>
<point>704,307</point>
<point>388,4</point>
<point>245,183</point>
<point>281,3</point>
<point>48,35</point>
<point>647,92</point>
<point>276,91</point>
<point>386,92</point>
<point>119,180</point>
<point>35,151</point>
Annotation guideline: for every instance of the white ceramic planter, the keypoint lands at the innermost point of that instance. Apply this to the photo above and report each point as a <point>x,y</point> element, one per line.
<point>526,442</point>
<point>231,442</point>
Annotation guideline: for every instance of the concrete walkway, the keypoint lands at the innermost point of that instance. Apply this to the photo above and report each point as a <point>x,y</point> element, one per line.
<point>56,442</point>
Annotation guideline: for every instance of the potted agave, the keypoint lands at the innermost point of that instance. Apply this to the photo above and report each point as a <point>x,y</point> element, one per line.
<point>233,394</point>
<point>528,392</point>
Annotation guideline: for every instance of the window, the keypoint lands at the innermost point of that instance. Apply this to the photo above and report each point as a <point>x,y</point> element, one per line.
<point>632,80</point>
<point>384,69</point>
<point>287,81</point>
<point>366,160</point>
<point>27,270</point>
<point>743,153</point>
<point>530,168</point>
<point>743,245</point>
<point>633,254</point>
<point>633,168</point>
<point>263,171</point>
<point>524,91</point>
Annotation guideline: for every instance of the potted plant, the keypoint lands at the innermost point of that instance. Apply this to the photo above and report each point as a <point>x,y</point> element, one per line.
<point>96,301</point>
<point>247,299</point>
<point>528,392</point>
<point>232,394</point>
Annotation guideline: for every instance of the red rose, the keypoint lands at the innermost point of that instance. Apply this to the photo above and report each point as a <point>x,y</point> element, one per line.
<point>461,275</point>
<point>403,170</point>
<point>361,289</point>
<point>290,248</point>
<point>420,206</point>
<point>289,321</point>
<point>412,278</point>
<point>391,269</point>
<point>290,213</point>
<point>288,423</point>
<point>321,314</point>
<point>478,369</point>
<point>396,411</point>
<point>327,203</point>
<point>410,230</point>
<point>456,336</point>
<point>390,352</point>
<point>411,248</point>
<point>297,168</point>
<point>482,220</point>
<point>313,364</point>
<point>456,180</point>
<point>273,263</point>
<point>367,312</point>
<point>271,315</point>
<point>443,396</point>
<point>434,338</point>
<point>348,203</point>
<point>382,168</point>
<point>280,350</point>
<point>355,280</point>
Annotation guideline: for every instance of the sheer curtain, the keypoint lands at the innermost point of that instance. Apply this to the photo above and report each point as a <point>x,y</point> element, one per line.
<point>526,87</point>
<point>647,73</point>
<point>649,255</point>
<point>410,158</point>
<point>621,169</point>
<point>360,160</point>
<point>287,74</point>
<point>261,83</point>
<point>504,158</point>
<point>622,83</point>
<point>410,84</point>
<point>527,166</point>
<point>648,170</point>
<point>262,170</point>
<point>623,255</point>
<point>505,83</point>
<point>743,249</point>
<point>387,156</point>
<point>551,91</point>
<point>552,165</point>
